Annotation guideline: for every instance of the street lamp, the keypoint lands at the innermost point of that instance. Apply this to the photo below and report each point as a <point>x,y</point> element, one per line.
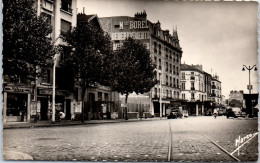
<point>53,90</point>
<point>249,69</point>
<point>160,93</point>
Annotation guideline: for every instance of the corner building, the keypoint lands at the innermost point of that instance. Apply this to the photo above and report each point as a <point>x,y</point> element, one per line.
<point>164,49</point>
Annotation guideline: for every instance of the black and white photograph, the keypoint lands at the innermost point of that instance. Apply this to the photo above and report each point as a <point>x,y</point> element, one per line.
<point>130,81</point>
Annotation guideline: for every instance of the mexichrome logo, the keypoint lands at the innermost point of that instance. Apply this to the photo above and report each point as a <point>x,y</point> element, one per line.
<point>134,24</point>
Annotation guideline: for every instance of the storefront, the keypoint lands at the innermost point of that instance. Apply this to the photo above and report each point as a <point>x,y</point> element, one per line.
<point>44,103</point>
<point>16,106</point>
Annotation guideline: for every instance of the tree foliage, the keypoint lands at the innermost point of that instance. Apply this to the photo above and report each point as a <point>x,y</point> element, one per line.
<point>26,44</point>
<point>88,59</point>
<point>133,70</point>
<point>90,50</point>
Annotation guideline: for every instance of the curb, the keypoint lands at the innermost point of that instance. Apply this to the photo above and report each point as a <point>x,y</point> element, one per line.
<point>31,125</point>
<point>15,155</point>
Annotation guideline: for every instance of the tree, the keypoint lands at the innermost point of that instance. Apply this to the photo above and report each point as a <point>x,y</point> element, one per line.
<point>133,70</point>
<point>90,49</point>
<point>26,41</point>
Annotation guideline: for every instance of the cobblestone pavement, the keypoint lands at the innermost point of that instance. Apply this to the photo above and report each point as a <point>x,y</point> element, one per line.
<point>136,141</point>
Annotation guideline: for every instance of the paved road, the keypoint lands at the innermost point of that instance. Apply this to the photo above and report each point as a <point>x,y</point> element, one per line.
<point>188,139</point>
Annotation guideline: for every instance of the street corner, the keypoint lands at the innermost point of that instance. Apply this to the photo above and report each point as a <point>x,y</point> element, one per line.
<point>15,155</point>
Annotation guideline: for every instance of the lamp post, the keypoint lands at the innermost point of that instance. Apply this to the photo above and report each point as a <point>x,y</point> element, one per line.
<point>160,93</point>
<point>53,90</point>
<point>249,69</point>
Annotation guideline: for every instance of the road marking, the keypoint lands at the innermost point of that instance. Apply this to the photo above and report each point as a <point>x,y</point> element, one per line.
<point>170,143</point>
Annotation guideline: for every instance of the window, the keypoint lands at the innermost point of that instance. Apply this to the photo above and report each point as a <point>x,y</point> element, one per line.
<point>160,66</point>
<point>173,69</point>
<point>155,60</point>
<point>155,47</point>
<point>65,27</point>
<point>183,96</point>
<point>174,82</point>
<point>66,5</point>
<point>192,76</point>
<point>99,96</point>
<point>192,86</point>
<point>183,86</point>
<point>46,75</point>
<point>170,81</point>
<point>183,75</point>
<point>167,93</point>
<point>192,95</point>
<point>155,92</point>
<point>106,96</point>
<point>116,26</point>
<point>166,80</point>
<point>160,49</point>
<point>177,83</point>
<point>166,67</point>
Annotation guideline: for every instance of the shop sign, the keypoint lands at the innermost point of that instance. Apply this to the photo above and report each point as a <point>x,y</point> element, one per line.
<point>49,92</point>
<point>17,89</point>
<point>134,24</point>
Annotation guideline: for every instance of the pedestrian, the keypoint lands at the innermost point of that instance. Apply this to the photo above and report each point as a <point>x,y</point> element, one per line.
<point>62,116</point>
<point>215,113</point>
<point>36,117</point>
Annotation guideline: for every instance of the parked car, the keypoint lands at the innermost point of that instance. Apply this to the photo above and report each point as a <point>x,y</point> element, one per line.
<point>185,113</point>
<point>174,114</point>
<point>221,112</point>
<point>235,112</point>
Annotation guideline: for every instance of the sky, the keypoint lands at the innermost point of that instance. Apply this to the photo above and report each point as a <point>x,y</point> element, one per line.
<point>220,36</point>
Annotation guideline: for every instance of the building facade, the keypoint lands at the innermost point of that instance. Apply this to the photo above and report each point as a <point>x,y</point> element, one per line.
<point>195,88</point>
<point>216,90</point>
<point>22,101</point>
<point>164,50</point>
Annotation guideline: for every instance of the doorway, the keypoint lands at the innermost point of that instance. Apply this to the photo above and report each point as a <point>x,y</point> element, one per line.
<point>68,114</point>
<point>44,108</point>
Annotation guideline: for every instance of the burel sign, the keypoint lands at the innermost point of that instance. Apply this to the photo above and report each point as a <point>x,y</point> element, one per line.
<point>134,24</point>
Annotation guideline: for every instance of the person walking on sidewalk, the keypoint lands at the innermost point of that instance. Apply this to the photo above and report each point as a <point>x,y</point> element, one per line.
<point>62,116</point>
<point>215,113</point>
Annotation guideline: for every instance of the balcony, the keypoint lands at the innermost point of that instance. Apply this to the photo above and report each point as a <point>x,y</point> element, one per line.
<point>213,95</point>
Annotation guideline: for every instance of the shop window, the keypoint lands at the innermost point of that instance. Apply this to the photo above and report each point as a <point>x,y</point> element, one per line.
<point>16,104</point>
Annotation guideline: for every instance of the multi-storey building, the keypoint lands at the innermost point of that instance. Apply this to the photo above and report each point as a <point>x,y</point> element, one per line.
<point>216,90</point>
<point>195,88</point>
<point>236,98</point>
<point>164,49</point>
<point>21,102</point>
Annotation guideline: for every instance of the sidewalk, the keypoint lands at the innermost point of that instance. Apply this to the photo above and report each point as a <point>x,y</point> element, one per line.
<point>10,125</point>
